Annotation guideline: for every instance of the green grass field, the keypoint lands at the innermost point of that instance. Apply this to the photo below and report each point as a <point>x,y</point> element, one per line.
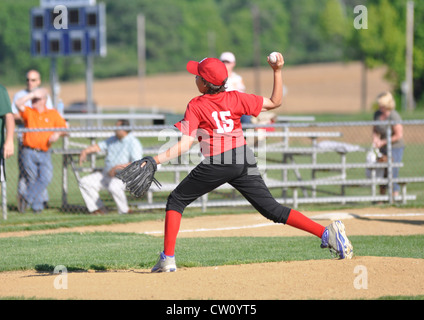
<point>106,250</point>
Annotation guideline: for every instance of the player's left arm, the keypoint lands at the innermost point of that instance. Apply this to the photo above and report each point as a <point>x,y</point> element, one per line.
<point>176,150</point>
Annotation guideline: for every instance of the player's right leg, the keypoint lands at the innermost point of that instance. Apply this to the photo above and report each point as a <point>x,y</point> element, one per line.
<point>166,261</point>
<point>165,264</point>
<point>201,180</point>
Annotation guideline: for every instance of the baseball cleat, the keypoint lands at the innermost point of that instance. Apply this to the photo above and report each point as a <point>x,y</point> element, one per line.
<point>334,238</point>
<point>165,264</point>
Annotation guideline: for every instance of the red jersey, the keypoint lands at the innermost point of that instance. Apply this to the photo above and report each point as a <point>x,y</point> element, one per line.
<point>215,120</point>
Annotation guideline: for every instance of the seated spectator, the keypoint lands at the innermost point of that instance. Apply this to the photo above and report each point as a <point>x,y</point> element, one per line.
<point>36,158</point>
<point>267,118</point>
<point>122,149</point>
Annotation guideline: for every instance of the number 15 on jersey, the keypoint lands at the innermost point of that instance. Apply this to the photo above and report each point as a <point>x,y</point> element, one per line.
<point>223,121</point>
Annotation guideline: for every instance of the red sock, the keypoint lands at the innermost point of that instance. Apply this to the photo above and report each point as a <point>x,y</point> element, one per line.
<point>299,221</point>
<point>172,226</point>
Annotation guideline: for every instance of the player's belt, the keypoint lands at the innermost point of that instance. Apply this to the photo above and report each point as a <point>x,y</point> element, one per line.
<point>35,149</point>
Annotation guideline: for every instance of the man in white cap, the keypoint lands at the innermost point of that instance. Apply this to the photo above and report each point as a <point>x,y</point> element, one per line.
<point>235,81</point>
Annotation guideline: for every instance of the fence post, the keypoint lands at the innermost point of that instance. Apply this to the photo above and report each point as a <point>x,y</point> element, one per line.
<point>389,162</point>
<point>65,173</point>
<point>374,185</point>
<point>4,199</point>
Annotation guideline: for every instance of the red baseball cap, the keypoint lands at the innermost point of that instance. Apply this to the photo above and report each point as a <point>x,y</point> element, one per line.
<point>211,69</point>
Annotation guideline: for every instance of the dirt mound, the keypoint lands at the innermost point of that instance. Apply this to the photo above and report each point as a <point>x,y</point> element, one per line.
<point>265,281</point>
<point>361,277</point>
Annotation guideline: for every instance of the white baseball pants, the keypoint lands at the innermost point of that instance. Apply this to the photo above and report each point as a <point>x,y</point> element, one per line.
<point>91,184</point>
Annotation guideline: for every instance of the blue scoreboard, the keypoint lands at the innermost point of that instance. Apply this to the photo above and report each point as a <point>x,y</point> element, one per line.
<point>68,28</point>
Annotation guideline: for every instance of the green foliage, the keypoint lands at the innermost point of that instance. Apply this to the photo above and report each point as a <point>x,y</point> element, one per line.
<point>14,41</point>
<point>384,42</point>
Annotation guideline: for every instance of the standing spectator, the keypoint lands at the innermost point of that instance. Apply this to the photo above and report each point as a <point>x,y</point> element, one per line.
<point>36,158</point>
<point>235,81</point>
<point>6,122</point>
<point>122,149</point>
<point>33,81</point>
<point>387,112</point>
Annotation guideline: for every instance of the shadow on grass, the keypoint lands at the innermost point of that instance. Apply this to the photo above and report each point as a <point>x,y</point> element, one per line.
<point>48,268</point>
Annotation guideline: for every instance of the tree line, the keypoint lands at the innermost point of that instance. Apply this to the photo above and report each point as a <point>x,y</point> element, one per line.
<point>305,31</point>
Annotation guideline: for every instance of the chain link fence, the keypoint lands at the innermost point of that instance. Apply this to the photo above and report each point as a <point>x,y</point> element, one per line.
<point>304,162</point>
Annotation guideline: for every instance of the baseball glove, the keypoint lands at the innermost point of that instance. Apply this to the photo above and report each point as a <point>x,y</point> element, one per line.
<point>138,178</point>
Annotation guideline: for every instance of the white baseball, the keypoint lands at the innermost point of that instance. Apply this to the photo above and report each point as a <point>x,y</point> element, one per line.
<point>273,57</point>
